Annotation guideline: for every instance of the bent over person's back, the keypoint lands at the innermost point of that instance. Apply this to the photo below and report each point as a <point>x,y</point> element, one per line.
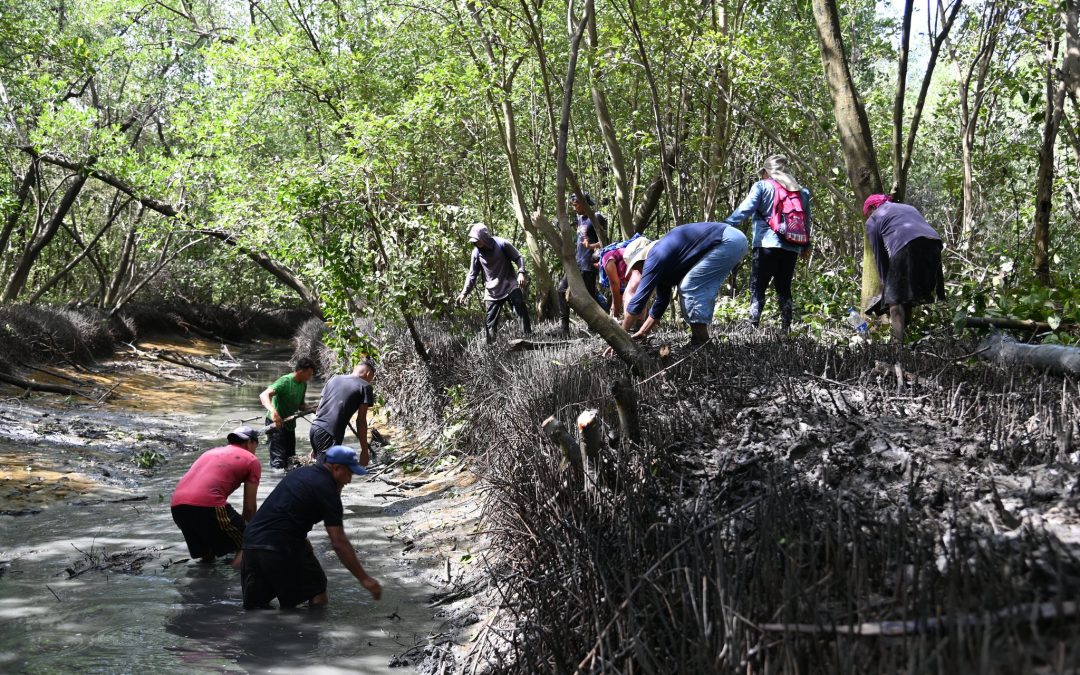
<point>200,503</point>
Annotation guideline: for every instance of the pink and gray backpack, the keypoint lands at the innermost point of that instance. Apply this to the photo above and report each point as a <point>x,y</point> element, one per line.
<point>788,218</point>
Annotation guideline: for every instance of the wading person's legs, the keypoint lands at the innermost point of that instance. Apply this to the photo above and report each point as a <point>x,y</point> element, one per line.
<point>321,440</point>
<point>282,446</point>
<point>899,316</point>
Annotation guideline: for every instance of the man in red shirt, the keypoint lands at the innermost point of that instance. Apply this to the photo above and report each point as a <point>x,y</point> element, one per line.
<point>200,504</point>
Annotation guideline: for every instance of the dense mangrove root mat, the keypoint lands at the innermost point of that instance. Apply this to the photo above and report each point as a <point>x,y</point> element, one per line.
<point>789,506</point>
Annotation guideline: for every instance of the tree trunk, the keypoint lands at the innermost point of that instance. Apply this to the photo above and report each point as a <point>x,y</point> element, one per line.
<point>718,128</point>
<point>41,239</point>
<point>1071,65</point>
<point>971,102</point>
<point>668,150</point>
<point>16,210</point>
<point>154,271</point>
<point>856,140</point>
<point>898,99</point>
<point>546,301</point>
<point>123,265</point>
<point>1044,185</point>
<point>164,208</point>
<point>901,170</point>
<point>611,140</point>
<point>86,249</point>
<point>647,206</point>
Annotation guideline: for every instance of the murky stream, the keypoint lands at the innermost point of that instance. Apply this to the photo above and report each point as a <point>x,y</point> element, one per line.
<point>187,616</point>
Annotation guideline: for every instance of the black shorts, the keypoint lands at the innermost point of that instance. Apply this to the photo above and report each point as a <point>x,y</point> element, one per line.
<point>292,578</point>
<point>321,440</point>
<point>209,530</point>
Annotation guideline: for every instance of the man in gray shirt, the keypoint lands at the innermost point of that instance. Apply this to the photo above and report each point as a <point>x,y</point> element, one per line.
<point>342,397</point>
<point>496,259</point>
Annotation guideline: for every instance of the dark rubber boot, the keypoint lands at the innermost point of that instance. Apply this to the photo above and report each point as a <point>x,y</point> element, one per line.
<point>755,314</point>
<point>786,310</point>
<point>699,334</point>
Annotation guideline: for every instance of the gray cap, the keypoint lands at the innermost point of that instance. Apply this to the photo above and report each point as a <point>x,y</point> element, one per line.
<point>242,435</point>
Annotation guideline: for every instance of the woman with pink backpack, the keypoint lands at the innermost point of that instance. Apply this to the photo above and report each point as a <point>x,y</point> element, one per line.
<point>780,209</point>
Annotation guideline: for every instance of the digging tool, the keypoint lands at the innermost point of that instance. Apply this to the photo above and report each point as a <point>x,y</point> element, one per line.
<point>290,418</point>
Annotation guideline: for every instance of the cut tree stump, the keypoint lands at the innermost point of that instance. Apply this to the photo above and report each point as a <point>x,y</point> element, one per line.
<point>626,403</point>
<point>557,434</point>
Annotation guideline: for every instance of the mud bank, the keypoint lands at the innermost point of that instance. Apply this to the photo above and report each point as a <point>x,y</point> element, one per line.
<point>791,505</point>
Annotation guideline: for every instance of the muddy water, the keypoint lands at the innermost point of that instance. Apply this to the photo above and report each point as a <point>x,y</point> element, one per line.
<point>172,615</point>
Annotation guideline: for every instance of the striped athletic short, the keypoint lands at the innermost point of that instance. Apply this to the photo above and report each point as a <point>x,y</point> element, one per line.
<point>209,530</point>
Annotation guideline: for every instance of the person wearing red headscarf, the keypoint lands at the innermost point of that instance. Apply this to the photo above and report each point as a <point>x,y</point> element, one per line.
<point>908,255</point>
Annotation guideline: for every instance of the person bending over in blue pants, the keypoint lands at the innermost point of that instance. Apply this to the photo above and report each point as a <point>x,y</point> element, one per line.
<point>696,257</point>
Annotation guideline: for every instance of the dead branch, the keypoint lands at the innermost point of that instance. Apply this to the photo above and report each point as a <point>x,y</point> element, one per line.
<point>45,387</point>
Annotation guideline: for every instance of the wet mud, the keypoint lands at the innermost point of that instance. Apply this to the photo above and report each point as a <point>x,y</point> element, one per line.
<point>95,576</point>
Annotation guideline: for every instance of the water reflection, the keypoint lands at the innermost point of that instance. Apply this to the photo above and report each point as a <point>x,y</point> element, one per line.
<point>214,631</point>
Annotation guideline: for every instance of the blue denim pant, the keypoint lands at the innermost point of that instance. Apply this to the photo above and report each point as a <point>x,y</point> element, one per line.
<point>701,285</point>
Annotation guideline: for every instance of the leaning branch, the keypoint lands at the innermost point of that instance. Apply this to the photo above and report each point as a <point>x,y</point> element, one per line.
<point>164,208</point>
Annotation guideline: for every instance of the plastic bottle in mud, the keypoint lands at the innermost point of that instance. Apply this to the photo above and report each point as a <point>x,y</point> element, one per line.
<point>857,321</point>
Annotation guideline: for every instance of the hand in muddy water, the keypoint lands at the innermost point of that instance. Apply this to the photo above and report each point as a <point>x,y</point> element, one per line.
<point>373,587</point>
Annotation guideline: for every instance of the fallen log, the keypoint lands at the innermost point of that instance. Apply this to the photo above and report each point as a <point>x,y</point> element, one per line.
<point>181,361</point>
<point>45,387</point>
<point>1054,358</point>
<point>520,345</point>
<point>1013,324</point>
<point>50,373</point>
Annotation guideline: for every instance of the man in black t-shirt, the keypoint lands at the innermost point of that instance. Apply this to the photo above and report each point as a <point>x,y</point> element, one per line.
<point>278,560</point>
<point>342,397</point>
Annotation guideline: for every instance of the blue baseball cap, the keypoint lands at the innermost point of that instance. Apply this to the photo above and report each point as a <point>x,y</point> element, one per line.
<point>340,454</point>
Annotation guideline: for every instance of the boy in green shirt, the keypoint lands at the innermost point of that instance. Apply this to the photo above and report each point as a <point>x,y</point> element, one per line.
<point>281,399</point>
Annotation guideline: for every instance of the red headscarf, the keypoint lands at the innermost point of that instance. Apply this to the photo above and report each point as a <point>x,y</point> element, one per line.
<point>874,201</point>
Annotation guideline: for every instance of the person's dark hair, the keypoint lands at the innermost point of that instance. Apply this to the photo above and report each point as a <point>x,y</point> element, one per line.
<point>303,363</point>
<point>370,365</point>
